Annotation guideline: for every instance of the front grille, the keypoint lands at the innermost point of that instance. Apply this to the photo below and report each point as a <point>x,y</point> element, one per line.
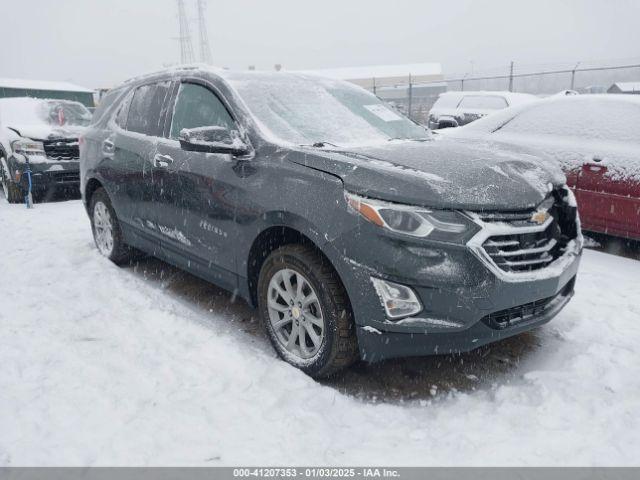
<point>530,248</point>
<point>524,252</point>
<point>515,315</point>
<point>66,177</point>
<point>62,149</point>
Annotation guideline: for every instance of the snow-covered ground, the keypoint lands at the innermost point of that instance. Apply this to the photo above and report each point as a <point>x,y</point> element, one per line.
<point>144,365</point>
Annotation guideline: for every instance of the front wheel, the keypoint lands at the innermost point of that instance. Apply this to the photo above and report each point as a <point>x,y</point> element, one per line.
<point>106,229</point>
<point>306,311</point>
<point>12,192</point>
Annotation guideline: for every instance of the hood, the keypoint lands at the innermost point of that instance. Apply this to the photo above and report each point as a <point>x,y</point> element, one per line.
<point>444,174</point>
<point>47,132</point>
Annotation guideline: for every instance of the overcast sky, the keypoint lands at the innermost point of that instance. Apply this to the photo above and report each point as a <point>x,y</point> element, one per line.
<point>100,43</point>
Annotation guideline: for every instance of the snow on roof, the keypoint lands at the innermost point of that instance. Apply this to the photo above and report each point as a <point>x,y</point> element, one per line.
<point>628,86</point>
<point>512,97</point>
<point>41,85</point>
<point>380,71</point>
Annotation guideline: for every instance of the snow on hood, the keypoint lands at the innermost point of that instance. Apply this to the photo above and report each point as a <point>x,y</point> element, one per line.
<point>468,175</point>
<point>46,132</point>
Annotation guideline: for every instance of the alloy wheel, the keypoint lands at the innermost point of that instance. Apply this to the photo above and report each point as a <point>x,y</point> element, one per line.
<point>103,228</point>
<point>3,180</point>
<point>295,313</point>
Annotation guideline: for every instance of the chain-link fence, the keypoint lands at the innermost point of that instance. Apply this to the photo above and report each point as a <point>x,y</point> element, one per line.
<point>416,99</point>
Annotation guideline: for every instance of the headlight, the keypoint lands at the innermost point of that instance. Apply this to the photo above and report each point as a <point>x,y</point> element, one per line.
<point>28,147</point>
<point>405,219</point>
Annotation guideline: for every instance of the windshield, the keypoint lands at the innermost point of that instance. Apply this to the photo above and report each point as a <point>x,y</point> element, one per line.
<point>309,110</point>
<point>67,113</point>
<point>31,111</point>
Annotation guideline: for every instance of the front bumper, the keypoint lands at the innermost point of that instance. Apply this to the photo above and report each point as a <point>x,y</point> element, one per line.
<point>461,293</point>
<point>451,336</point>
<point>48,175</point>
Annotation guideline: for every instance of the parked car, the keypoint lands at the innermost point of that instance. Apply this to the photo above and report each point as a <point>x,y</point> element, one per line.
<point>45,134</point>
<point>352,231</point>
<point>454,109</point>
<point>596,141</point>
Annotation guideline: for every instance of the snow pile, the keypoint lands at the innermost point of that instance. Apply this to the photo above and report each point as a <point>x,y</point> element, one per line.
<point>102,366</point>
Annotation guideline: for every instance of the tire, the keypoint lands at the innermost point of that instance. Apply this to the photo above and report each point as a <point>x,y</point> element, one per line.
<point>106,230</point>
<point>12,192</point>
<point>334,345</point>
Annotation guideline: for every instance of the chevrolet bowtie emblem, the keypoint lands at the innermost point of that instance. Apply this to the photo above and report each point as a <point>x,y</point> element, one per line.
<point>539,217</point>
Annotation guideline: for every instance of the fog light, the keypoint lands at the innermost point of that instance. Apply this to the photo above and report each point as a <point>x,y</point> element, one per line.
<point>398,301</point>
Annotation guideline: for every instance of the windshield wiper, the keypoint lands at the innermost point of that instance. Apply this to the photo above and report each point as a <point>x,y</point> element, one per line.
<point>320,145</point>
<point>411,139</point>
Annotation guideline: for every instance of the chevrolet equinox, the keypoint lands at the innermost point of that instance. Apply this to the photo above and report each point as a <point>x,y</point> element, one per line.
<point>354,233</point>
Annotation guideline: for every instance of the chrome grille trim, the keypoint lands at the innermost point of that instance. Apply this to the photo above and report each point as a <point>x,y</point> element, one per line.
<point>514,268</point>
<point>62,149</point>
<point>503,243</point>
<point>524,251</point>
<point>533,261</point>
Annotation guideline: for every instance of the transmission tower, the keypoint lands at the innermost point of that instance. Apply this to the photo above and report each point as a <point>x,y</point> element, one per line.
<point>205,51</point>
<point>186,48</point>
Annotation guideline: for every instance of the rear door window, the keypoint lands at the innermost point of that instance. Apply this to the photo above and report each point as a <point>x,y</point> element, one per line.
<point>148,108</point>
<point>447,100</point>
<point>488,102</point>
<point>197,106</point>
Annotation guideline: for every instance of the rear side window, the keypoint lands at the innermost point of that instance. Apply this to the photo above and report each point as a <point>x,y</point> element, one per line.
<point>488,102</point>
<point>198,106</point>
<point>105,105</point>
<point>123,111</point>
<point>146,113</point>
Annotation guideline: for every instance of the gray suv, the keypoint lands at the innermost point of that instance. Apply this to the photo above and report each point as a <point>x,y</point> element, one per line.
<point>352,231</point>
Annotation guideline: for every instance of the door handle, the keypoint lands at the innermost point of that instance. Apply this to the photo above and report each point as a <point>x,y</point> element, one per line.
<point>592,167</point>
<point>108,147</point>
<point>162,161</point>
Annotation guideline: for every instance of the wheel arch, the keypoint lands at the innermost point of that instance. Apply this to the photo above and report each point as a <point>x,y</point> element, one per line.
<point>272,237</point>
<point>3,154</point>
<point>90,188</point>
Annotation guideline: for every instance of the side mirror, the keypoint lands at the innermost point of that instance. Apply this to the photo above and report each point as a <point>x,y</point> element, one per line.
<point>212,140</point>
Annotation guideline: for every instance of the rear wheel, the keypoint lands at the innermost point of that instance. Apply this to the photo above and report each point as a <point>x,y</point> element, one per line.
<point>106,229</point>
<point>306,311</point>
<point>12,192</point>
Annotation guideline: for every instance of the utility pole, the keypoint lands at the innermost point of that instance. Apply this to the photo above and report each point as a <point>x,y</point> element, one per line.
<point>410,97</point>
<point>573,75</point>
<point>205,50</point>
<point>511,77</point>
<point>186,48</point>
